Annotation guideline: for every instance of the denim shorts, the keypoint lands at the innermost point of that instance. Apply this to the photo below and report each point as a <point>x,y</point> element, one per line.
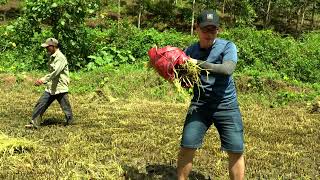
<point>228,122</point>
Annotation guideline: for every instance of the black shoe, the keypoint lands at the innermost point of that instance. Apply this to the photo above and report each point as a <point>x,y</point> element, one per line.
<point>69,122</point>
<point>31,125</point>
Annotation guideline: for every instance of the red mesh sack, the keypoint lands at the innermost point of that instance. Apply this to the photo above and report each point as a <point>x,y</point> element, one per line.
<point>164,60</point>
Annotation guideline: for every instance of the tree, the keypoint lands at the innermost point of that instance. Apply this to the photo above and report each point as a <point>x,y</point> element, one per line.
<point>192,19</point>
<point>66,21</point>
<point>119,13</point>
<point>141,5</point>
<point>243,13</point>
<point>315,8</point>
<point>3,2</point>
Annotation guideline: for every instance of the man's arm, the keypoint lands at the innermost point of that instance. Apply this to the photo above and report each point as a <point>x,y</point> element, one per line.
<point>226,68</point>
<point>228,65</point>
<point>58,66</point>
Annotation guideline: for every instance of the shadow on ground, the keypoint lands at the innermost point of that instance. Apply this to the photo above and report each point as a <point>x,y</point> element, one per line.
<point>157,171</point>
<point>52,121</point>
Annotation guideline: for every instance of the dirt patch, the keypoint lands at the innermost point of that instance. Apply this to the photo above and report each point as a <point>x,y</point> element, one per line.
<point>8,80</point>
<point>26,79</point>
<point>9,10</point>
<point>315,107</point>
<point>100,21</point>
<point>10,5</point>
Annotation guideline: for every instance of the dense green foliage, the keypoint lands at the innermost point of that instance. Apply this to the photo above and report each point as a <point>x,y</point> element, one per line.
<point>268,51</point>
<point>129,39</point>
<point>120,42</point>
<point>62,19</point>
<point>263,51</point>
<point>287,16</point>
<point>3,1</point>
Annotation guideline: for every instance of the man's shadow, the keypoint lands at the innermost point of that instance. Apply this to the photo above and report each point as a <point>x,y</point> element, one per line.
<point>157,171</point>
<point>52,122</point>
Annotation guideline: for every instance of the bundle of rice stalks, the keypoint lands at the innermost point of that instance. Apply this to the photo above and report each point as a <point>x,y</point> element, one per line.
<point>13,145</point>
<point>188,74</point>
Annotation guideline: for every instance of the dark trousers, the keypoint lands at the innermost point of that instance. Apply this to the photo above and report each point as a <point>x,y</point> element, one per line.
<point>45,101</point>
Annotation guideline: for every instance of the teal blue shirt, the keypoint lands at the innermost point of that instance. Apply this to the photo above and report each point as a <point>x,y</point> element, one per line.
<point>215,89</point>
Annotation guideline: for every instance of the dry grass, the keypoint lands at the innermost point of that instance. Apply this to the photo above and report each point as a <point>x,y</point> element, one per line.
<point>187,74</point>
<point>10,146</point>
<point>134,138</point>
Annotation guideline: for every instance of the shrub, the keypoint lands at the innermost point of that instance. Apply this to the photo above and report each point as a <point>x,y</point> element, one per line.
<point>139,41</point>
<point>64,19</point>
<point>265,50</point>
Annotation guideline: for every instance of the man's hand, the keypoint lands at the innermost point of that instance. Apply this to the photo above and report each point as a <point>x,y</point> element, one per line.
<point>38,82</point>
<point>194,61</point>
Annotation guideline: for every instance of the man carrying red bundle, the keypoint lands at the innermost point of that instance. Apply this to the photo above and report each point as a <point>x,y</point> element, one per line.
<point>215,99</point>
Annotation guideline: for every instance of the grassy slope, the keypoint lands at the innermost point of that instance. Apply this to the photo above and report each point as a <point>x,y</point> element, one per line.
<point>137,134</point>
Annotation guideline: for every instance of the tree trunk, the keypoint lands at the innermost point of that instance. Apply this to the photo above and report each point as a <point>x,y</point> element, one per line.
<point>192,21</point>
<point>268,14</point>
<point>288,17</point>
<point>139,16</point>
<point>302,18</point>
<point>234,13</point>
<point>223,7</point>
<point>298,20</point>
<point>119,6</point>
<point>313,15</point>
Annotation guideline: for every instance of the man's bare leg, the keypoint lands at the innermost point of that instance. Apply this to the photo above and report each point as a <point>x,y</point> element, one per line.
<point>185,159</point>
<point>236,166</point>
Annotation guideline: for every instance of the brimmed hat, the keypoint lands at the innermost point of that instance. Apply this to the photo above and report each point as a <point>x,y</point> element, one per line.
<point>50,42</point>
<point>207,18</point>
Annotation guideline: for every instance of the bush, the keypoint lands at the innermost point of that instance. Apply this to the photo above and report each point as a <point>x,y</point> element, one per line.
<point>261,51</point>
<point>64,20</point>
<point>266,50</point>
<point>139,41</point>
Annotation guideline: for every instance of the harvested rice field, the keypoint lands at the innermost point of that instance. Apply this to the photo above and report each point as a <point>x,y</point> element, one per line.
<point>138,138</point>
